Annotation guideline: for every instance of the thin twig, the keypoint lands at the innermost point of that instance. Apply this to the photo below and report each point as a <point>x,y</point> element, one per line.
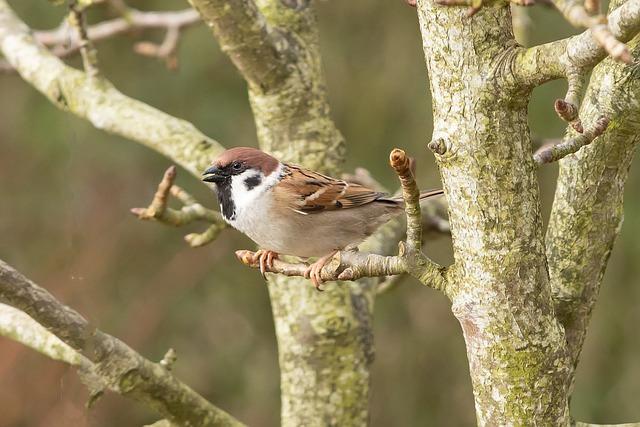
<point>580,13</point>
<point>64,43</point>
<point>401,163</point>
<point>556,152</point>
<point>87,50</point>
<point>191,211</point>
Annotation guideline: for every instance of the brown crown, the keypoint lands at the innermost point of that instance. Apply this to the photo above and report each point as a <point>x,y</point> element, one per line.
<point>252,157</point>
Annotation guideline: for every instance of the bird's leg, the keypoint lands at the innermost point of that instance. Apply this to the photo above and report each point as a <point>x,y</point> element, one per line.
<point>265,258</point>
<point>314,270</point>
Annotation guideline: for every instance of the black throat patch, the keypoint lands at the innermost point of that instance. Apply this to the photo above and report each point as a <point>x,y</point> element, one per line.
<point>227,207</point>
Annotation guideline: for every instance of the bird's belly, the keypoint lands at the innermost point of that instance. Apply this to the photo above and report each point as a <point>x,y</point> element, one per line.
<point>311,235</point>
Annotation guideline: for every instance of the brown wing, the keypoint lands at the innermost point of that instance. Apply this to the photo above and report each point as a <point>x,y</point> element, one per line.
<point>307,192</point>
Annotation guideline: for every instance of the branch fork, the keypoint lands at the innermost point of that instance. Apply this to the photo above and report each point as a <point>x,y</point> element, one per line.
<point>191,211</point>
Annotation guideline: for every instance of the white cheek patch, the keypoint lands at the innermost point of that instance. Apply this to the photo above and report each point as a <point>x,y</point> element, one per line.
<point>248,188</point>
<point>243,193</point>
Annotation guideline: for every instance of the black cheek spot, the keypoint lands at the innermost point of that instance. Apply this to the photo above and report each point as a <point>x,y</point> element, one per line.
<point>252,182</point>
<point>338,204</point>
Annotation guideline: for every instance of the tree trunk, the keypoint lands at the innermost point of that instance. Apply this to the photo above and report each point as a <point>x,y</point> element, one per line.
<point>500,292</point>
<point>325,340</point>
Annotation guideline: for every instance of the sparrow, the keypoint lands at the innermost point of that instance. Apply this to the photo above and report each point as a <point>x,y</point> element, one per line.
<point>290,210</point>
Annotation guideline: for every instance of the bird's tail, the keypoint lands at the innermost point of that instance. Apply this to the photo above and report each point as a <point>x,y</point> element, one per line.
<point>430,193</point>
<point>399,201</point>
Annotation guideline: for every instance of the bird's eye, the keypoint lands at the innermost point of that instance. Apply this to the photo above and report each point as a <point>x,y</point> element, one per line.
<point>236,166</point>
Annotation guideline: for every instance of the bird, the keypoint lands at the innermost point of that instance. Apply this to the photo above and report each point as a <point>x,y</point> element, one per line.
<point>289,210</point>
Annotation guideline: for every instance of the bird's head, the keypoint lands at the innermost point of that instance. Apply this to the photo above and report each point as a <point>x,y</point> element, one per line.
<point>242,162</point>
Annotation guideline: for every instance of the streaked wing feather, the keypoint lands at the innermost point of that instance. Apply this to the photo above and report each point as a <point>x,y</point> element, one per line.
<point>306,192</point>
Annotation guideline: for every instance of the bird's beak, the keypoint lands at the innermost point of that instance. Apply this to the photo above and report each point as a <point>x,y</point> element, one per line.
<point>213,174</point>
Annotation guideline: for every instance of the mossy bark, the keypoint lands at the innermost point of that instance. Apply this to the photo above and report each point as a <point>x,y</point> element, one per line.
<point>325,340</point>
<point>500,290</point>
<point>587,210</point>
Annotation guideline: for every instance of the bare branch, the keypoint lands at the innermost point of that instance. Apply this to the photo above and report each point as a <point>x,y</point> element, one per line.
<point>571,145</point>
<point>16,325</point>
<point>346,265</point>
<point>191,211</point>
<point>121,368</point>
<point>567,109</point>
<point>559,59</point>
<point>64,42</point>
<point>166,50</point>
<point>582,14</point>
<point>411,195</point>
<point>575,11</point>
<point>96,100</point>
<point>87,50</point>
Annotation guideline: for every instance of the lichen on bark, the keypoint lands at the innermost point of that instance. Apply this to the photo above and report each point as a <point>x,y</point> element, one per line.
<point>325,341</point>
<point>587,210</point>
<point>516,349</point>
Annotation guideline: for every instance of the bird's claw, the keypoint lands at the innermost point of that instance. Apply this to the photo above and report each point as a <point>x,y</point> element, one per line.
<point>314,271</point>
<point>265,258</point>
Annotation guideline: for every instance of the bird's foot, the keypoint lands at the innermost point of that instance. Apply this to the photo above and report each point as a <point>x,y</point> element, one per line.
<point>265,259</point>
<point>315,269</point>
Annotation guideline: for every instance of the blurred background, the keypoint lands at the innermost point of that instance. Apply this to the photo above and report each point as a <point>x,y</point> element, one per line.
<point>66,189</point>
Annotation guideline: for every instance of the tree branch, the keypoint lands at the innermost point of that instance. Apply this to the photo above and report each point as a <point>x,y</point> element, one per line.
<point>539,64</point>
<point>191,211</point>
<point>118,366</point>
<point>575,11</point>
<point>257,50</point>
<point>584,13</point>
<point>16,325</point>
<point>346,265</point>
<point>64,43</point>
<point>96,100</point>
<point>571,145</point>
<point>411,195</point>
<point>87,51</point>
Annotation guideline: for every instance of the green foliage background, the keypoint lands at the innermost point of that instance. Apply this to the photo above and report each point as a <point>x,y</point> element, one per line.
<point>66,188</point>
